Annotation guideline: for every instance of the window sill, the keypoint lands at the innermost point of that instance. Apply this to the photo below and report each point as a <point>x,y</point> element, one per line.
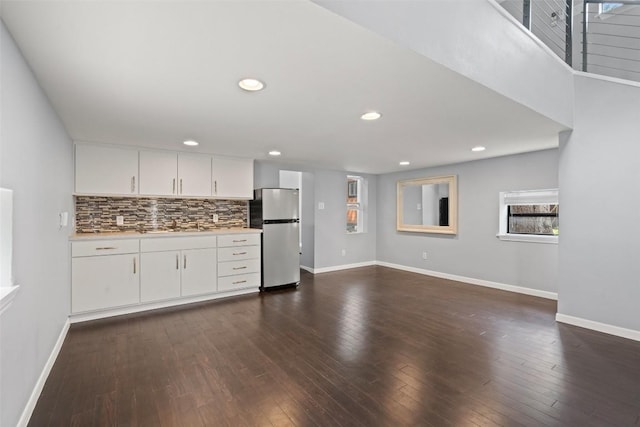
<point>530,238</point>
<point>7,293</point>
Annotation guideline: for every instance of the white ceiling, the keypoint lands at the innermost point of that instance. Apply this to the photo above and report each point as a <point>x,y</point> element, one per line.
<point>155,73</point>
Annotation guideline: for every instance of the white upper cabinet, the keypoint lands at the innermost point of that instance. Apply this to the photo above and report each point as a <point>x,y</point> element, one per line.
<point>158,173</point>
<point>106,170</point>
<point>194,175</point>
<point>166,173</point>
<point>124,171</point>
<point>232,178</point>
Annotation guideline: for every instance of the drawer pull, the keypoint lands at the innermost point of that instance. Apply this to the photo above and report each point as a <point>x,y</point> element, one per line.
<point>240,268</point>
<point>177,262</point>
<point>239,241</point>
<point>134,265</point>
<point>185,262</point>
<point>239,281</point>
<point>106,248</point>
<point>239,253</point>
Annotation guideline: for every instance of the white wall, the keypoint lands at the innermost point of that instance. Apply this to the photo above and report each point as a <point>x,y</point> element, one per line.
<point>36,159</point>
<point>599,173</point>
<point>475,252</point>
<point>331,228</point>
<point>324,231</point>
<point>477,39</point>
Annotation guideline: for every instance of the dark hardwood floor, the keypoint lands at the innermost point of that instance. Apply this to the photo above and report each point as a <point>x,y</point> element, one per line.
<point>365,347</point>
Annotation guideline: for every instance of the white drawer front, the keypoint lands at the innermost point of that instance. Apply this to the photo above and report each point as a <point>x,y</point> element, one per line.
<point>104,247</point>
<point>156,244</point>
<point>241,281</point>
<point>230,268</point>
<point>228,240</point>
<point>238,253</point>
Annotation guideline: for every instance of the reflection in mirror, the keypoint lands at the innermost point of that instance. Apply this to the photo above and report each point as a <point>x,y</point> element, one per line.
<point>427,205</point>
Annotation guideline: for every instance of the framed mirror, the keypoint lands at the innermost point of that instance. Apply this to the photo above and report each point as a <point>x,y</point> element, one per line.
<point>428,205</point>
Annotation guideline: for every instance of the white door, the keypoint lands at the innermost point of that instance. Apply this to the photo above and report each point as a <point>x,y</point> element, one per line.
<point>194,175</point>
<point>232,178</point>
<point>106,170</point>
<point>104,282</point>
<point>159,275</point>
<point>199,271</point>
<point>158,173</point>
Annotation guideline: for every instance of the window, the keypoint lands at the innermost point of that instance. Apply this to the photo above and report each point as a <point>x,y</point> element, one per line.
<point>356,190</point>
<point>529,216</point>
<point>608,7</point>
<point>7,290</point>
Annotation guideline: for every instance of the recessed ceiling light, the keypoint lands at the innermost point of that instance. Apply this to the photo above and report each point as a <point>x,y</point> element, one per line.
<point>274,153</point>
<point>251,85</point>
<point>478,148</point>
<point>190,143</point>
<point>405,163</point>
<point>371,115</point>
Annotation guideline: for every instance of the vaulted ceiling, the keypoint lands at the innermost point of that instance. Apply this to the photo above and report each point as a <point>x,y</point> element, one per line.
<point>153,73</point>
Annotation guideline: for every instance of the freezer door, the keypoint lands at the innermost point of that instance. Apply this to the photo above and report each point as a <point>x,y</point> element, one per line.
<point>279,203</point>
<point>280,254</point>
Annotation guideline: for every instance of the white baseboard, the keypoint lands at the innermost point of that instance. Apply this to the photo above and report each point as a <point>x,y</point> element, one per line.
<point>597,326</point>
<point>37,389</point>
<point>472,281</point>
<point>309,269</point>
<point>343,267</point>
<point>94,315</point>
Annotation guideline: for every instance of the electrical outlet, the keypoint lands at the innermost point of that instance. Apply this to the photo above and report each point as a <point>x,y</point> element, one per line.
<point>214,218</point>
<point>119,220</point>
<point>424,255</point>
<point>320,205</point>
<point>344,252</point>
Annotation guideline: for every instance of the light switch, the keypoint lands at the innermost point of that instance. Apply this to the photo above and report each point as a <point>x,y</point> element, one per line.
<point>64,219</point>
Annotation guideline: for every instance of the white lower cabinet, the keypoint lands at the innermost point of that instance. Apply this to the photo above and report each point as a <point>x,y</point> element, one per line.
<point>178,266</point>
<point>108,274</point>
<point>104,281</point>
<point>199,272</point>
<point>238,262</point>
<point>159,275</point>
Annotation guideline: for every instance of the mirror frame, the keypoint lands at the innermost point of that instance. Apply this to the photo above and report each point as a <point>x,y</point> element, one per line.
<point>452,228</point>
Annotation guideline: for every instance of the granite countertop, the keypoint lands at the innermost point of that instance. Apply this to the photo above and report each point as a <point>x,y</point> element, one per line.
<point>103,235</point>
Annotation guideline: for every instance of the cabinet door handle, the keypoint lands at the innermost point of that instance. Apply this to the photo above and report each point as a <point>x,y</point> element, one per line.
<point>133,184</point>
<point>239,253</point>
<point>239,241</point>
<point>134,265</point>
<point>177,261</point>
<point>173,189</point>
<point>240,281</point>
<point>106,248</point>
<point>215,186</point>
<point>240,268</point>
<point>180,185</point>
<point>185,262</point>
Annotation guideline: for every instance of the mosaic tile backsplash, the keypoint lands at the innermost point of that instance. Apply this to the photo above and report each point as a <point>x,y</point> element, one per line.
<point>98,214</point>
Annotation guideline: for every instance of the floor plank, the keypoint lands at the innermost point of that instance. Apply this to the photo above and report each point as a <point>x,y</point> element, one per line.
<point>370,346</point>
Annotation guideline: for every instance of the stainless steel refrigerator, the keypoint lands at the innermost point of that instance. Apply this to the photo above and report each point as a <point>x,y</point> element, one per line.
<point>275,211</point>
